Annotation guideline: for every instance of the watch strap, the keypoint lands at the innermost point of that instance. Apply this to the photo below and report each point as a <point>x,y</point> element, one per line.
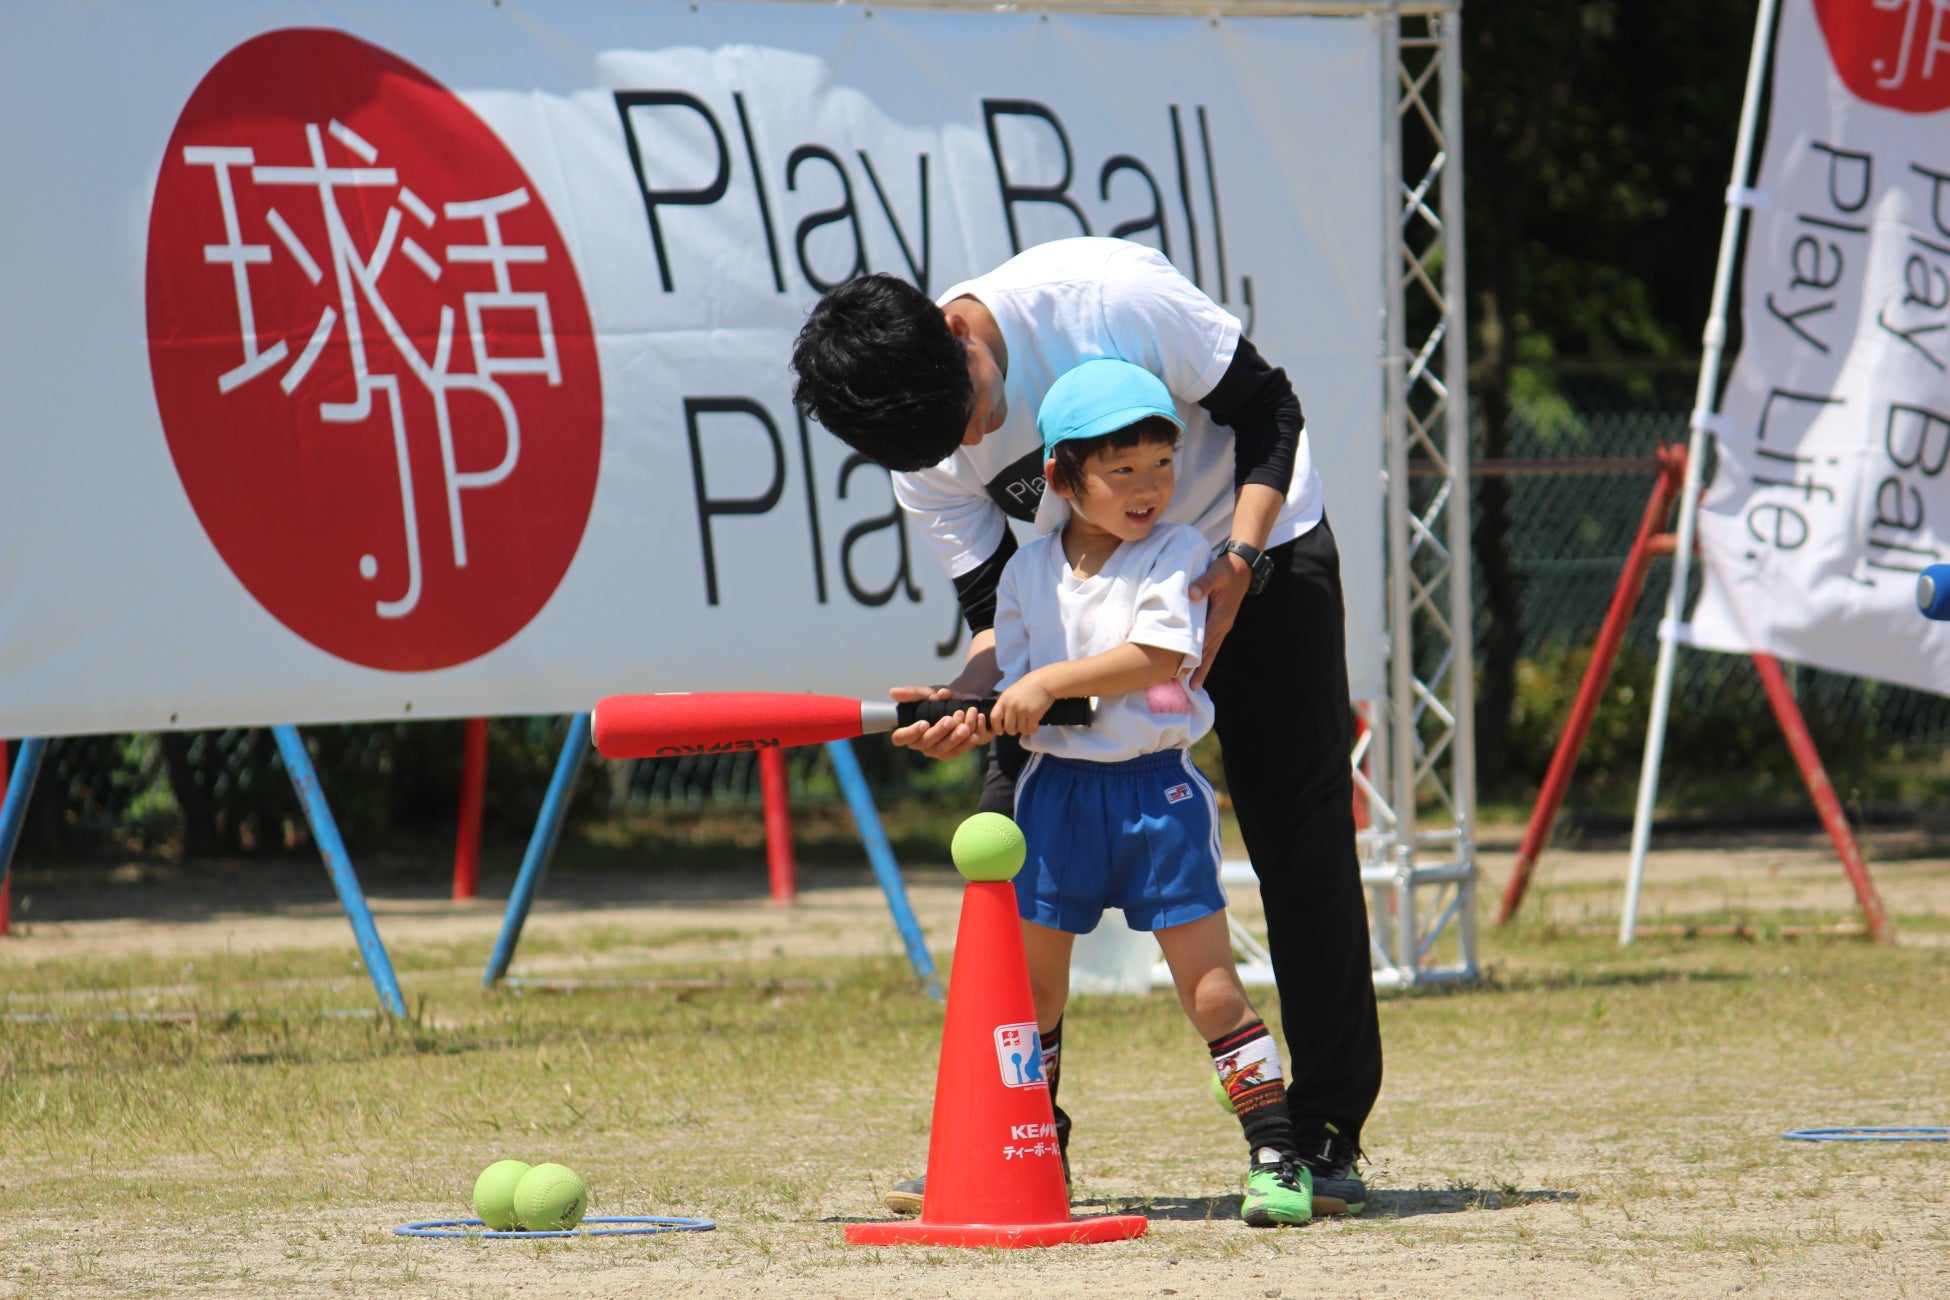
<point>1244,550</point>
<point>1257,561</point>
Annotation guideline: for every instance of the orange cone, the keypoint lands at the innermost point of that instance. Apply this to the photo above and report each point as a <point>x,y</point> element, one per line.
<point>995,1175</point>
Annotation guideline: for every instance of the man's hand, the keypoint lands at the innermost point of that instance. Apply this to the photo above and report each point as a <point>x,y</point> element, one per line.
<point>1020,708</point>
<point>950,737</point>
<point>1224,586</point>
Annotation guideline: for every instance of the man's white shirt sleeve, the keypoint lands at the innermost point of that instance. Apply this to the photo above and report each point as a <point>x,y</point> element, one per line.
<point>1156,317</point>
<point>953,511</point>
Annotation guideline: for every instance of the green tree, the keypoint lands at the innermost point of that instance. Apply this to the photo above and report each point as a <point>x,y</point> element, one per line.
<point>1600,138</point>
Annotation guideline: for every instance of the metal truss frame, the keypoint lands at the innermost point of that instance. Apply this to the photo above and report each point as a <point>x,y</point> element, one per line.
<point>1417,765</point>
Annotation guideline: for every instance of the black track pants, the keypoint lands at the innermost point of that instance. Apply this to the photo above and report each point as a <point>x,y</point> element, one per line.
<point>1280,697</point>
<point>1279,692</point>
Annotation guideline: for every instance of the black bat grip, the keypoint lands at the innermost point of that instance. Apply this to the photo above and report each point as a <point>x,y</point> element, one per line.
<point>1074,711</point>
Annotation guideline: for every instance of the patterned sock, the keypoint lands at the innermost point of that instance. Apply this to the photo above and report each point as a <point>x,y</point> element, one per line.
<point>1248,1063</point>
<point>1053,1072</point>
<point>1053,1057</point>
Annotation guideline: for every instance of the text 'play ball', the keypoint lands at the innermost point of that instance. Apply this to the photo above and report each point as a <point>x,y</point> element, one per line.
<point>988,846</point>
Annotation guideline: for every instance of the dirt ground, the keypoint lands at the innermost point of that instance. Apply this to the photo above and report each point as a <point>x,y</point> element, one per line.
<point>1429,1233</point>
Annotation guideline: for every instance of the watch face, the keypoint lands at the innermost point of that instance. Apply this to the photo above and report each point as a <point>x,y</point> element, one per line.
<point>1262,571</point>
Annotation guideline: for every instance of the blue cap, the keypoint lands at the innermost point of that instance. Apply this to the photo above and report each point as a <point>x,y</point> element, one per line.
<point>1100,397</point>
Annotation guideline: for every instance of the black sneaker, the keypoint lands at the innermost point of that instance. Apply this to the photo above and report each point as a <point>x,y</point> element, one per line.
<point>904,1198</point>
<point>1331,1158</point>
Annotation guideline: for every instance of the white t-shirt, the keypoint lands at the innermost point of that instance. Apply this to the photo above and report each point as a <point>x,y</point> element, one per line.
<point>1045,614</point>
<point>1060,304</point>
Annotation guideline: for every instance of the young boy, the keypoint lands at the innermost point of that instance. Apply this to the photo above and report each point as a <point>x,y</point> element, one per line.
<point>1116,814</point>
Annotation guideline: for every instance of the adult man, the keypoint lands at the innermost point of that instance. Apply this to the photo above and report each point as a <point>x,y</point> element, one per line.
<point>945,394</point>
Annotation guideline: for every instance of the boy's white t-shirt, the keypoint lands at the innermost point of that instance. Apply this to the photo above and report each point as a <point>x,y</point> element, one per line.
<point>1045,614</point>
<point>1058,305</point>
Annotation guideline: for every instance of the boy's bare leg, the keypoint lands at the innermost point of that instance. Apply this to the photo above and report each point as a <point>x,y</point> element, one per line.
<point>1048,952</point>
<point>1202,966</point>
<point>1279,1191</point>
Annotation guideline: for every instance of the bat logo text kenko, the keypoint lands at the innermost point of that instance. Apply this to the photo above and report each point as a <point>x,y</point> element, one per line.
<point>718,747</point>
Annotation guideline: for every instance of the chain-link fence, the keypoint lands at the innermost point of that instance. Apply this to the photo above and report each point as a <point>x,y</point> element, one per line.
<point>1565,535</point>
<point>1567,538</point>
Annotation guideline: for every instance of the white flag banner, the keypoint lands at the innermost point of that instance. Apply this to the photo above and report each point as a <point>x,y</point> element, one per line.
<point>1831,492</point>
<point>430,358</point>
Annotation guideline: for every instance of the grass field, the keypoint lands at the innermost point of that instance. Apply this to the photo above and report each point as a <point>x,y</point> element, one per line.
<point>198,1098</point>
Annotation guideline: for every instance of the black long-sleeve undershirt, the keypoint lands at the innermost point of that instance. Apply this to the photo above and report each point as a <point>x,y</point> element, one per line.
<point>977,587</point>
<point>1254,400</point>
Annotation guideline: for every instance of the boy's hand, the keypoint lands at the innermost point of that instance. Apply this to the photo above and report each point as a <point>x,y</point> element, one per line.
<point>1017,711</point>
<point>950,737</point>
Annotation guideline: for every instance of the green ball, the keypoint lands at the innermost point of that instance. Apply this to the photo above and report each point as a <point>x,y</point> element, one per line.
<point>1220,1095</point>
<point>550,1198</point>
<point>494,1194</point>
<point>988,846</point>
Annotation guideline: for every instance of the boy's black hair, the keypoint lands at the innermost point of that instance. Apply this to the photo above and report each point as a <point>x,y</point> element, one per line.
<point>879,367</point>
<point>1071,453</point>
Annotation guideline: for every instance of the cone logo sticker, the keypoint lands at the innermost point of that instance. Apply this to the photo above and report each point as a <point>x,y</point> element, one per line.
<point>1019,1054</point>
<point>371,353</point>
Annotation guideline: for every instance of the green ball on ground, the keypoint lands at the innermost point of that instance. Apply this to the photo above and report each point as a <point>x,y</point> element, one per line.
<point>988,846</point>
<point>550,1198</point>
<point>1220,1095</point>
<point>494,1194</point>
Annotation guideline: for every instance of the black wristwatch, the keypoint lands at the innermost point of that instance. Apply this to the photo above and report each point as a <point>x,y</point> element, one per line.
<point>1258,561</point>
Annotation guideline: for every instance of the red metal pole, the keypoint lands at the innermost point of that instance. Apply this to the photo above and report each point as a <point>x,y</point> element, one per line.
<point>1796,729</point>
<point>1631,582</point>
<point>1360,800</point>
<point>7,880</point>
<point>473,788</point>
<point>778,826</point>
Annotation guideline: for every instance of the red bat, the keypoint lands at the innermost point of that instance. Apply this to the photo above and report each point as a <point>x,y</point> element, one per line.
<point>712,722</point>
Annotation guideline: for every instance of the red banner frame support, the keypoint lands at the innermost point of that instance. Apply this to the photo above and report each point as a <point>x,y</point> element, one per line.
<point>1611,636</point>
<point>473,792</point>
<point>780,868</point>
<point>1650,541</point>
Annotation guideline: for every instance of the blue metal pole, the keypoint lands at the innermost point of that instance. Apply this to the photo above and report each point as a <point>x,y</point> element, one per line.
<point>304,779</point>
<point>881,854</point>
<point>541,846</point>
<point>20,786</point>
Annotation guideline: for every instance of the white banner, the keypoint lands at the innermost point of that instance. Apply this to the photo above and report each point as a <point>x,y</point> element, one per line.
<point>427,358</point>
<point>1831,492</point>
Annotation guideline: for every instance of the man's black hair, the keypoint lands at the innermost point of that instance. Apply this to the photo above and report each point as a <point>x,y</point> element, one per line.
<point>1071,453</point>
<point>878,366</point>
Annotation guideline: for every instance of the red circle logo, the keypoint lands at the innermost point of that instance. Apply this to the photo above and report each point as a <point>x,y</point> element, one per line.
<point>1895,53</point>
<point>371,353</point>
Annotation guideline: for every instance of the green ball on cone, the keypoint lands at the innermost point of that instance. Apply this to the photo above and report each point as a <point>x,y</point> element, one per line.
<point>988,846</point>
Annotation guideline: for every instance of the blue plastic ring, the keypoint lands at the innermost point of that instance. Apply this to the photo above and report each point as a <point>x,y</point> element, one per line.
<point>1868,1135</point>
<point>641,1225</point>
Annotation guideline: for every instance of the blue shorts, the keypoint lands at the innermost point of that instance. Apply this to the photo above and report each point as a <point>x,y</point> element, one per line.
<point>1141,835</point>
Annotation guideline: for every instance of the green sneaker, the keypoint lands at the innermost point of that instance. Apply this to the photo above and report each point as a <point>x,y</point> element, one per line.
<point>1279,1191</point>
